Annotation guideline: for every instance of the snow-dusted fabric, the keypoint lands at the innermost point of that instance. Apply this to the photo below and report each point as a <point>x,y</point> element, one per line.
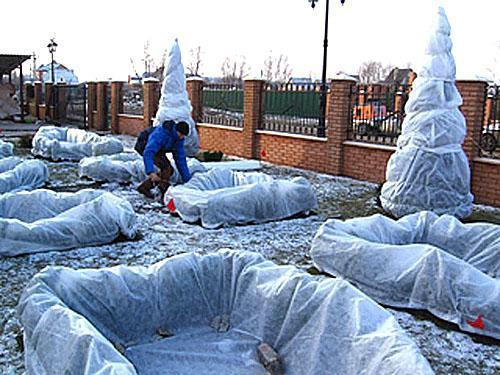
<point>8,106</point>
<point>17,174</point>
<point>72,144</point>
<point>6,149</point>
<point>222,196</point>
<point>238,165</point>
<point>422,261</point>
<point>195,314</point>
<point>123,167</point>
<point>429,170</point>
<point>43,220</point>
<point>174,101</point>
<point>128,167</point>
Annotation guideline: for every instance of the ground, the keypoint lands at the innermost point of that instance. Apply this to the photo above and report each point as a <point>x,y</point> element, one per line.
<point>285,242</point>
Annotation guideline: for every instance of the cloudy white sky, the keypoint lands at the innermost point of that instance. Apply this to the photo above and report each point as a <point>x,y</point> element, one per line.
<point>98,38</point>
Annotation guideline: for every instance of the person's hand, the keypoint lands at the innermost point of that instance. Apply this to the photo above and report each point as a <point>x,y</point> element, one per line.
<point>154,177</point>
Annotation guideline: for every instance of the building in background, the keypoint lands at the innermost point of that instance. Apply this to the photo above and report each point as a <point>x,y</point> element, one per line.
<point>62,73</point>
<point>399,76</point>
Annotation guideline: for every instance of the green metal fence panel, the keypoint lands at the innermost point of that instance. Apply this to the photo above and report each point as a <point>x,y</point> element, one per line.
<point>293,103</point>
<point>223,104</point>
<point>223,99</point>
<point>291,108</point>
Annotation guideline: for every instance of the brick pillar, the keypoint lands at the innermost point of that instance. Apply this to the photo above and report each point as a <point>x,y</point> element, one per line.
<point>412,78</point>
<point>474,96</point>
<point>116,105</point>
<point>49,101</point>
<point>338,121</point>
<point>92,100</point>
<point>61,101</point>
<point>488,110</point>
<point>151,100</point>
<point>195,92</point>
<point>37,98</point>
<point>102,106</point>
<point>252,115</point>
<point>362,95</point>
<point>398,100</point>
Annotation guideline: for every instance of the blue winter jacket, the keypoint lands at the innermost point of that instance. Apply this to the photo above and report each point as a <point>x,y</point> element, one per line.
<point>165,137</point>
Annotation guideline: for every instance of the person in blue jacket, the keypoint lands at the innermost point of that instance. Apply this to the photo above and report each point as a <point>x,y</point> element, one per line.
<point>153,144</point>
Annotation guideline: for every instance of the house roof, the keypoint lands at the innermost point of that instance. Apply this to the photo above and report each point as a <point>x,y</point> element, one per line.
<point>10,62</point>
<point>398,76</point>
<point>47,67</point>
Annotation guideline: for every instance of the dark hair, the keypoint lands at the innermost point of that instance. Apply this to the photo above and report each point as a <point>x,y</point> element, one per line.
<point>182,127</point>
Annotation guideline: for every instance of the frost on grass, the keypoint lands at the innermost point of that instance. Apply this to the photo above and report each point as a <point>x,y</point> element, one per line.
<point>285,242</point>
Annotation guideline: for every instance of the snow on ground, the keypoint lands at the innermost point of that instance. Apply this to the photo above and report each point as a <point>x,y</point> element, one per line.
<point>285,242</point>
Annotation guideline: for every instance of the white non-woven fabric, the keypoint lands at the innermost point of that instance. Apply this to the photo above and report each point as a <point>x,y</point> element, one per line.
<point>17,174</point>
<point>8,106</point>
<point>421,261</point>
<point>194,314</point>
<point>128,167</point>
<point>429,170</point>
<point>43,220</point>
<point>6,149</point>
<point>72,144</point>
<point>237,165</point>
<point>224,197</point>
<point>174,102</point>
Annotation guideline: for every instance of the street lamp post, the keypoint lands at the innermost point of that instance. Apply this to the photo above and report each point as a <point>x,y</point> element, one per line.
<point>322,122</point>
<point>52,48</point>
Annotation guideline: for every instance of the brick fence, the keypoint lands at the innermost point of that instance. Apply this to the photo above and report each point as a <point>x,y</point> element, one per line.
<point>337,155</point>
<point>333,154</point>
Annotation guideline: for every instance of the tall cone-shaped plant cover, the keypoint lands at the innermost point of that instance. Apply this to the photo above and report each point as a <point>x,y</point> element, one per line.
<point>429,170</point>
<point>174,101</point>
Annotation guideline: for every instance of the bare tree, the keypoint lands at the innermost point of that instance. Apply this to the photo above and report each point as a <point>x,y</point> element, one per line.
<point>234,71</point>
<point>195,62</point>
<point>373,71</point>
<point>277,69</point>
<point>149,63</point>
<point>494,69</point>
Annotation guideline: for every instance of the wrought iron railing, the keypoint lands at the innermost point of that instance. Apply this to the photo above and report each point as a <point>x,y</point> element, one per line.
<point>42,95</point>
<point>290,108</point>
<point>75,102</point>
<point>133,99</point>
<point>490,136</point>
<point>223,104</point>
<point>377,113</point>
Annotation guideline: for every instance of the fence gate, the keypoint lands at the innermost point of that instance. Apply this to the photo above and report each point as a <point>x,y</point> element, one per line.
<point>75,105</point>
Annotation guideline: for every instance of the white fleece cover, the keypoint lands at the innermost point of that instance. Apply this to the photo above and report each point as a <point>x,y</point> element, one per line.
<point>429,170</point>
<point>17,174</point>
<point>193,314</point>
<point>174,101</point>
<point>128,167</point>
<point>56,143</point>
<point>43,220</point>
<point>224,197</point>
<point>6,149</point>
<point>422,261</point>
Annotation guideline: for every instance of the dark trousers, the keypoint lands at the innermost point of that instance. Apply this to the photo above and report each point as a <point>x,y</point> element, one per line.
<point>161,161</point>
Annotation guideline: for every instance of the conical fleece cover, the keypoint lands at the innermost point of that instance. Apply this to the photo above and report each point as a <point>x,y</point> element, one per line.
<point>429,170</point>
<point>174,102</point>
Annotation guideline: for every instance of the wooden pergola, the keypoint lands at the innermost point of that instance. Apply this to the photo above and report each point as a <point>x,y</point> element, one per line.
<point>8,63</point>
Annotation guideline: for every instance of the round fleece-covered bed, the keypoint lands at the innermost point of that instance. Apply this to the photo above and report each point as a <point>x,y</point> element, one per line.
<point>127,167</point>
<point>17,174</point>
<point>225,197</point>
<point>223,313</point>
<point>43,220</point>
<point>422,261</point>
<point>57,144</point>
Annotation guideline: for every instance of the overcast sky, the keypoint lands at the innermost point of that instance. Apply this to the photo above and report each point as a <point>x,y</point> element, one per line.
<point>97,38</point>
